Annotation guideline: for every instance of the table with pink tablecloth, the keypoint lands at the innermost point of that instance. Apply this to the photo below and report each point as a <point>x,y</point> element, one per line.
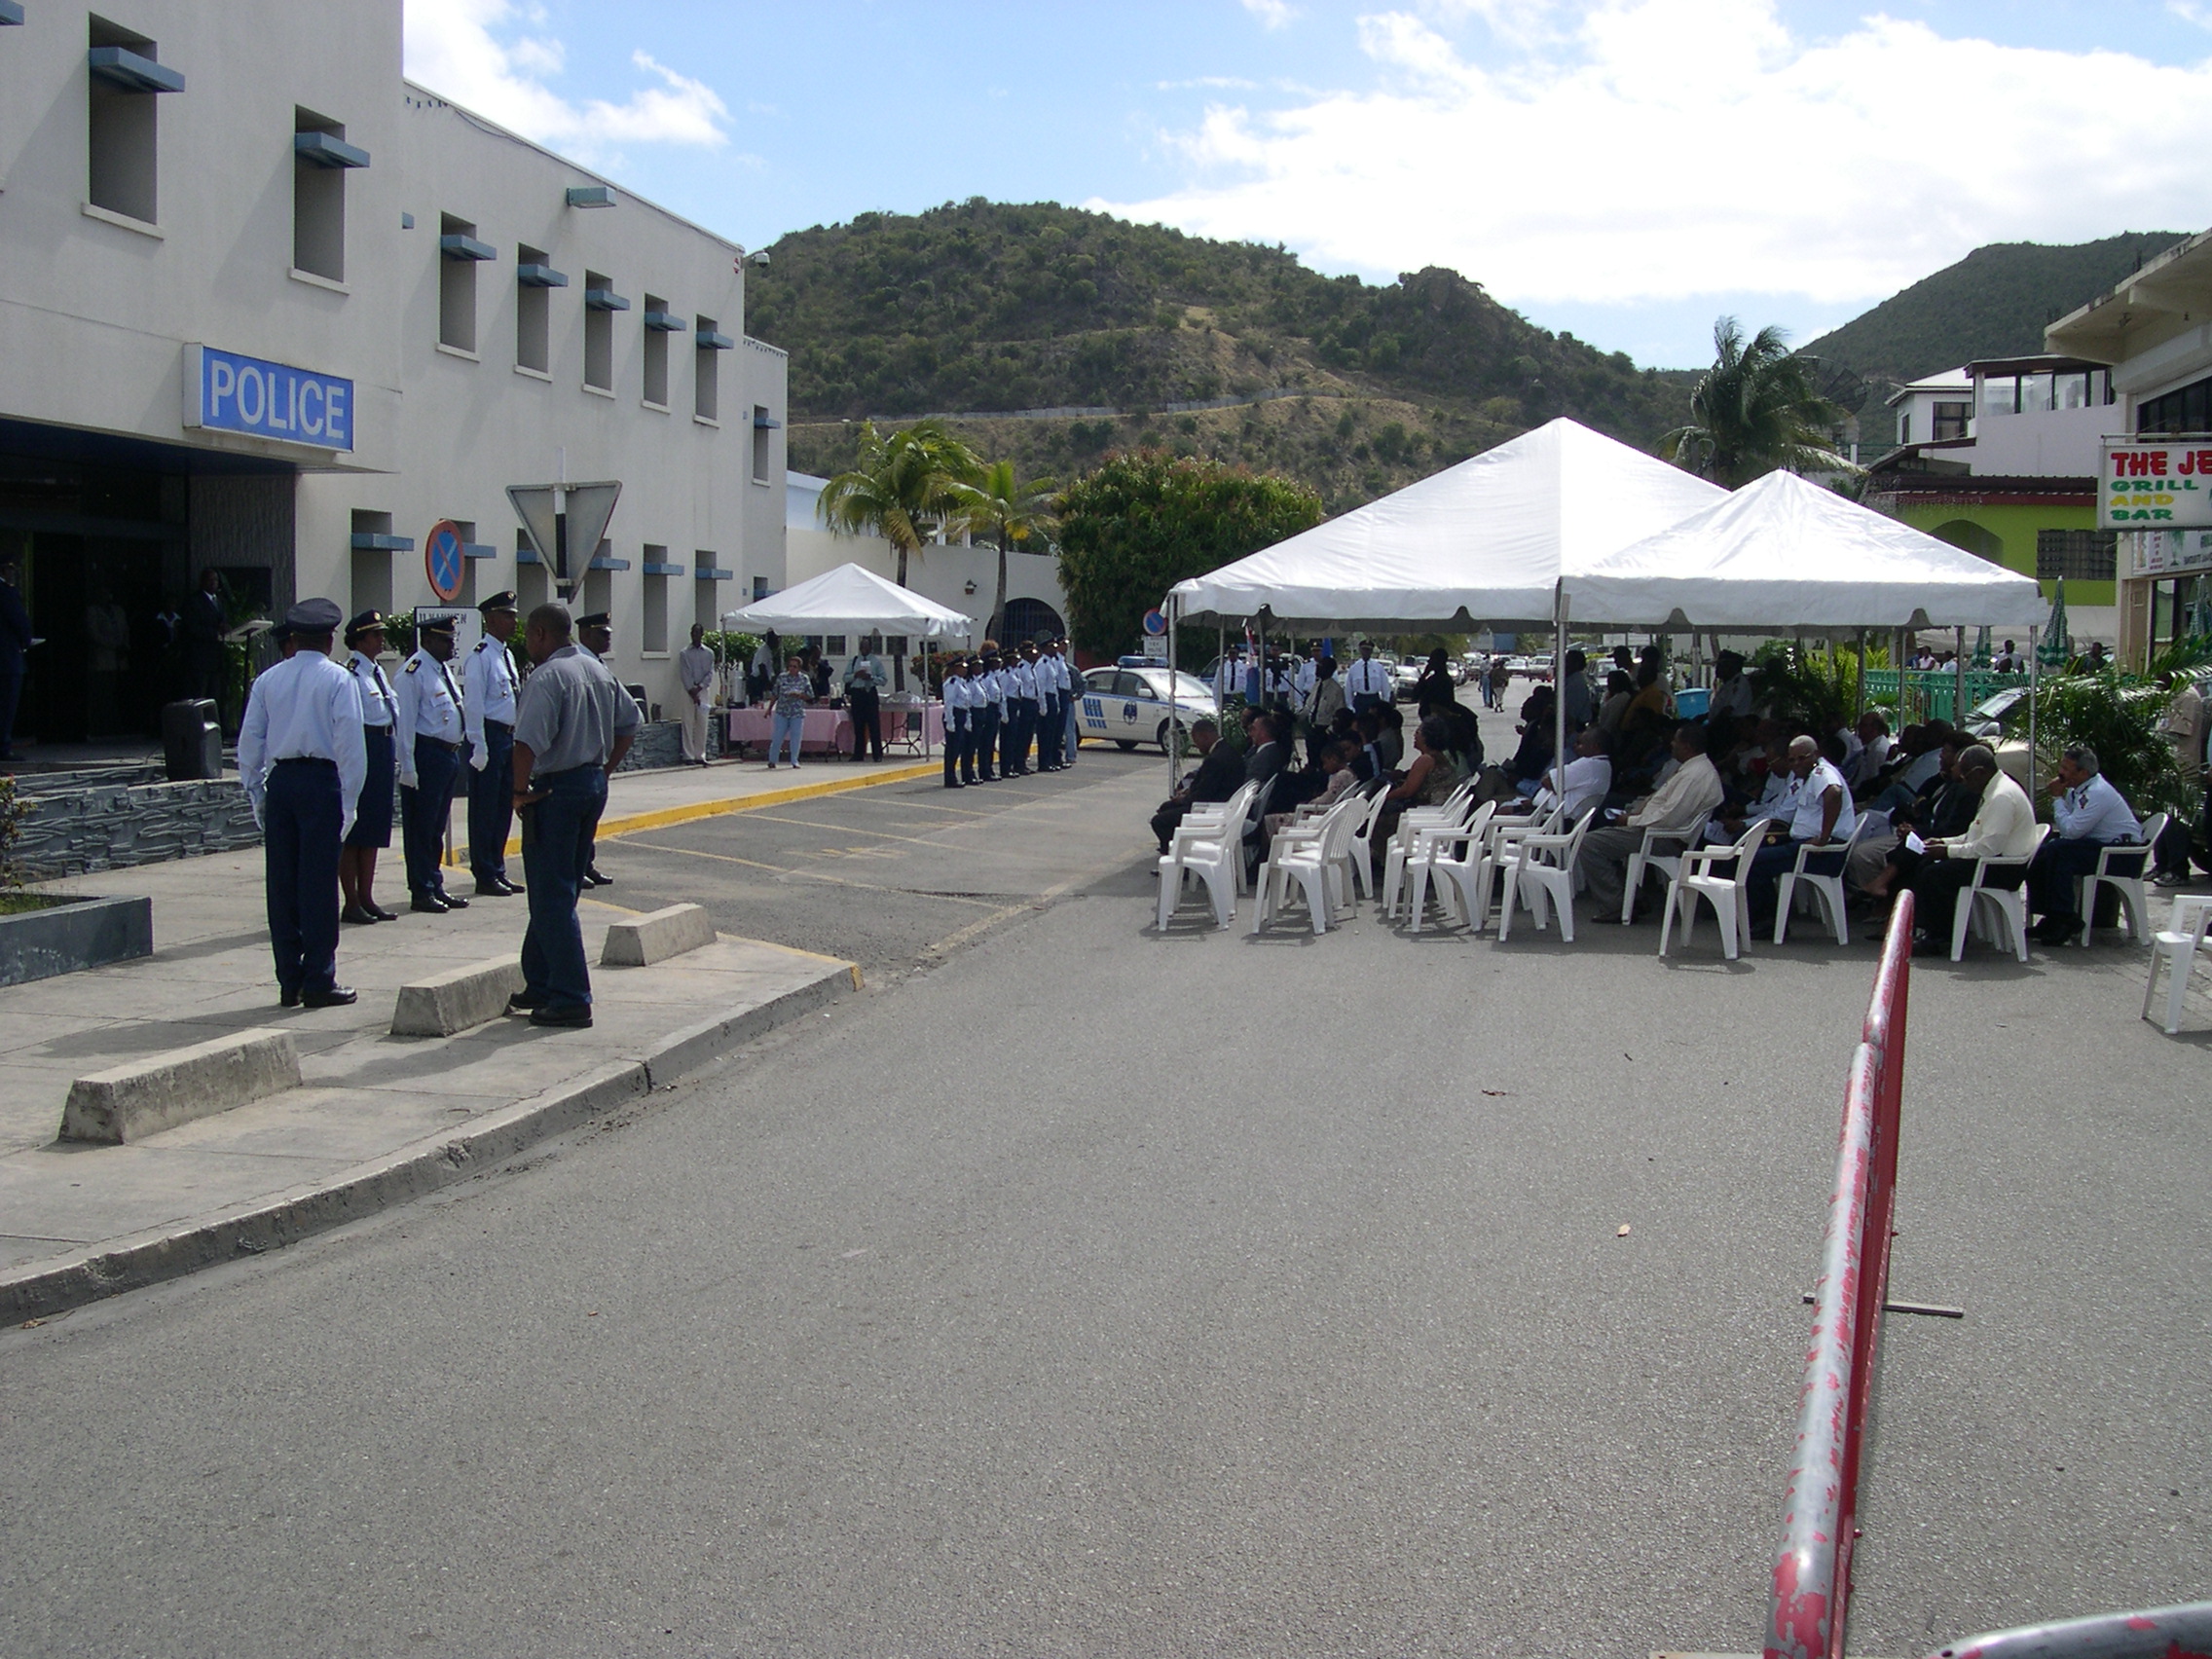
<point>825,729</point>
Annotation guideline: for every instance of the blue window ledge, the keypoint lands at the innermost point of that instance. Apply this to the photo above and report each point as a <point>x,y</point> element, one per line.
<point>605,299</point>
<point>527,556</point>
<point>664,322</point>
<point>605,562</point>
<point>10,12</point>
<point>767,424</point>
<point>326,151</point>
<point>590,196</point>
<point>653,568</point>
<point>709,341</point>
<point>708,574</point>
<point>120,66</point>
<point>540,277</point>
<point>479,550</point>
<point>373,541</point>
<point>467,247</point>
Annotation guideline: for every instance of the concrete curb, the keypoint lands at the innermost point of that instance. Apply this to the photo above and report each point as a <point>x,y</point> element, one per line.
<point>113,1266</point>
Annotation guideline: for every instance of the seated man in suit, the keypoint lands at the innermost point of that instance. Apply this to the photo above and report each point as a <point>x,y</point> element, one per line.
<point>1220,774</point>
<point>1267,758</point>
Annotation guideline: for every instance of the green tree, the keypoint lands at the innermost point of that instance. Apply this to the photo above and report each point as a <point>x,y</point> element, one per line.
<point>1007,511</point>
<point>1756,409</point>
<point>903,488</point>
<point>1144,522</point>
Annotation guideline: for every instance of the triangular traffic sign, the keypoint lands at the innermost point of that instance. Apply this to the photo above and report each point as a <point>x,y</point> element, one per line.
<point>589,507</point>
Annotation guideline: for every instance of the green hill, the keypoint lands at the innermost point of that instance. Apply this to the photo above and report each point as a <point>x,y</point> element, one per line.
<point>1994,303</point>
<point>980,309</point>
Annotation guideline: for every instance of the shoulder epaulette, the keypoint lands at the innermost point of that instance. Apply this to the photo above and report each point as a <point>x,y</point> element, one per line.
<point>414,663</point>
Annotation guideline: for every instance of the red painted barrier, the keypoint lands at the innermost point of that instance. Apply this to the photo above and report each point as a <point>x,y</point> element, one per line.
<point>1812,1575</point>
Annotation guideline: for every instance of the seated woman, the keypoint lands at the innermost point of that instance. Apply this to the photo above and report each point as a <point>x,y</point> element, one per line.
<point>1428,782</point>
<point>1336,770</point>
<point>1619,690</point>
<point>1520,775</point>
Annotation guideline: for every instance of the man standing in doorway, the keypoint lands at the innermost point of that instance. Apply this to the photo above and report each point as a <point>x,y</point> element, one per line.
<point>488,686</point>
<point>430,742</point>
<point>573,726</point>
<point>695,674</point>
<point>204,641</point>
<point>15,642</point>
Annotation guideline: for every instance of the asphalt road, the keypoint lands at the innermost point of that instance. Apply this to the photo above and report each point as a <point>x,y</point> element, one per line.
<point>1097,1293</point>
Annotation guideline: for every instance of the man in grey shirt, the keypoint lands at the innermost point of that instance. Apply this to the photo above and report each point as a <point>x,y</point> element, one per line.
<point>574,723</point>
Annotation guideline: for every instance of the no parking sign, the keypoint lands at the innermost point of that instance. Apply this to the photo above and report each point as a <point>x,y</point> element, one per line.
<point>444,561</point>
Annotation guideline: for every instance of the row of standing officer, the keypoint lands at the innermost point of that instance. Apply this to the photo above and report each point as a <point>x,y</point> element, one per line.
<point>996,707</point>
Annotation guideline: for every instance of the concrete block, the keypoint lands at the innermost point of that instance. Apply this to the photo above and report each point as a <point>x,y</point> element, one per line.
<point>129,1102</point>
<point>71,933</point>
<point>643,941</point>
<point>456,999</point>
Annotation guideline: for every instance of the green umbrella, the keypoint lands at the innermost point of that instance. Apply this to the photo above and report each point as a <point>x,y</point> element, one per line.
<point>2057,648</point>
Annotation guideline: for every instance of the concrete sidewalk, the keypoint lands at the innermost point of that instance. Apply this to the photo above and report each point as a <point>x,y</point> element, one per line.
<point>380,1119</point>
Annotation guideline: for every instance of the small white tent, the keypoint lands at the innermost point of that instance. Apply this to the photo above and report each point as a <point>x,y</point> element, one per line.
<point>1781,555</point>
<point>1484,541</point>
<point>851,599</point>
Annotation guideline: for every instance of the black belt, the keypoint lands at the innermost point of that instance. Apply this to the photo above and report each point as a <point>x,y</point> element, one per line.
<point>307,760</point>
<point>387,730</point>
<point>442,743</point>
<point>500,725</point>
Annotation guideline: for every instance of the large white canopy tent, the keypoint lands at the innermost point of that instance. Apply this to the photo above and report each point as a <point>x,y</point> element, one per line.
<point>854,599</point>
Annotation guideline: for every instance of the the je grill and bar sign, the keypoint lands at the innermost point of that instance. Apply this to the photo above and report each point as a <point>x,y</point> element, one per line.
<point>225,391</point>
<point>2161,486</point>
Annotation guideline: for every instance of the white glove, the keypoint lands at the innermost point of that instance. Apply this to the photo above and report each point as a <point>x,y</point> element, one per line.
<point>479,759</point>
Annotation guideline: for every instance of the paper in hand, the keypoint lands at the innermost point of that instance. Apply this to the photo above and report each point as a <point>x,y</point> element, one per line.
<point>1913,843</point>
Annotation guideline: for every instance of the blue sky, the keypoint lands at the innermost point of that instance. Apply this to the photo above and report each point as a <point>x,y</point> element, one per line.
<point>1623,168</point>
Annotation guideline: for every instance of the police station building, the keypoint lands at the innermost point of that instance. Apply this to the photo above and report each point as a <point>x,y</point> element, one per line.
<point>266,308</point>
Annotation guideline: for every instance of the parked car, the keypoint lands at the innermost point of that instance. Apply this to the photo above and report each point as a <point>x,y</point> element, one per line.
<point>1404,676</point>
<point>1130,706</point>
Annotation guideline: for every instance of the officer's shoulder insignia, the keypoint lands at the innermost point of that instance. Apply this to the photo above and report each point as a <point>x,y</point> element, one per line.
<point>414,663</point>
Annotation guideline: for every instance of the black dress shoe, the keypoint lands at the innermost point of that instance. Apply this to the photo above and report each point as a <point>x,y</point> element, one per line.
<point>576,1016</point>
<point>359,917</point>
<point>337,996</point>
<point>287,999</point>
<point>430,903</point>
<point>381,913</point>
<point>521,1001</point>
<point>593,877</point>
<point>494,890</point>
<point>452,901</point>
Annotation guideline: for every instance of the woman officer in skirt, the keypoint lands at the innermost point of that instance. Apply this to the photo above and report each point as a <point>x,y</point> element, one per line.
<point>372,818</point>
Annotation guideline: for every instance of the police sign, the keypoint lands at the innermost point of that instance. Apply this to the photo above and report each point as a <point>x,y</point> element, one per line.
<point>226,393</point>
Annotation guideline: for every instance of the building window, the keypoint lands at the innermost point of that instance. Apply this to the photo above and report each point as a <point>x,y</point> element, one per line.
<point>598,590</point>
<point>457,283</point>
<point>1904,428</point>
<point>2186,409</point>
<point>2076,555</point>
<point>1032,620</point>
<point>533,582</point>
<point>533,310</point>
<point>372,565</point>
<point>599,334</point>
<point>320,161</point>
<point>762,433</point>
<point>124,122</point>
<point>706,372</point>
<point>655,391</point>
<point>652,618</point>
<point>1951,420</point>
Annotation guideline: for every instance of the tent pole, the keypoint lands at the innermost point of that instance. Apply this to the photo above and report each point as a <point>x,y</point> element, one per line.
<point>1959,678</point>
<point>1861,674</point>
<point>1174,769</point>
<point>1558,693</point>
<point>2034,662</point>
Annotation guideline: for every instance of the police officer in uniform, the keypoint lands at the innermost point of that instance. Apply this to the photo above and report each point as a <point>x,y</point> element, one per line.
<point>989,714</point>
<point>1049,722</point>
<point>572,725</point>
<point>302,760</point>
<point>1020,711</point>
<point>959,729</point>
<point>1063,666</point>
<point>429,740</point>
<point>372,813</point>
<point>595,634</point>
<point>488,686</point>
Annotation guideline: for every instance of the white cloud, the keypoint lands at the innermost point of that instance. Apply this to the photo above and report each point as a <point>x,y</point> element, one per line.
<point>1639,150</point>
<point>458,47</point>
<point>1273,13</point>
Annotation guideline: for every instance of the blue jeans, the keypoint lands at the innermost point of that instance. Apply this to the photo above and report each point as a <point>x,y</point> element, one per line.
<point>555,844</point>
<point>782,726</point>
<point>299,851</point>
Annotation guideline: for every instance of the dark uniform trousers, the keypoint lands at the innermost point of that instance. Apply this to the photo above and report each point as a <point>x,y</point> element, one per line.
<point>2061,864</point>
<point>555,844</point>
<point>423,812</point>
<point>982,752</point>
<point>491,804</point>
<point>1020,721</point>
<point>1049,731</point>
<point>302,815</point>
<point>868,720</point>
<point>959,752</point>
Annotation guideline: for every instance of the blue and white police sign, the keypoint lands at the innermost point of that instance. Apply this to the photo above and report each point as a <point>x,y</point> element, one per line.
<point>444,560</point>
<point>1154,623</point>
<point>226,393</point>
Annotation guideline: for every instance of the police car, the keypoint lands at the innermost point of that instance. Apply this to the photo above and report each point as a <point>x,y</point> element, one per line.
<point>1127,706</point>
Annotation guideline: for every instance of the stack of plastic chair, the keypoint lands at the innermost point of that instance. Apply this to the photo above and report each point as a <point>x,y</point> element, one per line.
<point>1434,859</point>
<point>1211,849</point>
<point>1363,839</point>
<point>1506,832</point>
<point>1411,824</point>
<point>1828,890</point>
<point>1730,894</point>
<point>2134,900</point>
<point>1997,914</point>
<point>1315,864</point>
<point>1542,877</point>
<point>2176,949</point>
<point>1644,860</point>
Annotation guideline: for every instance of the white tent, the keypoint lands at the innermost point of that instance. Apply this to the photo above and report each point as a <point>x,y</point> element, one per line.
<point>1484,541</point>
<point>1781,555</point>
<point>851,599</point>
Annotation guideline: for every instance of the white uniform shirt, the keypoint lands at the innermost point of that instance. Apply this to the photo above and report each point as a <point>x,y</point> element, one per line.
<point>1024,687</point>
<point>959,698</point>
<point>430,706</point>
<point>995,689</point>
<point>695,671</point>
<point>1307,673</point>
<point>378,706</point>
<point>2094,811</point>
<point>1367,677</point>
<point>1812,806</point>
<point>488,687</point>
<point>304,707</point>
<point>1731,697</point>
<point>1589,776</point>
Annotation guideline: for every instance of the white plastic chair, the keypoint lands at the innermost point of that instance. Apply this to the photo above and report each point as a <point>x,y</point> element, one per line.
<point>2134,899</point>
<point>1728,894</point>
<point>1433,860</point>
<point>1405,841</point>
<point>2176,949</point>
<point>1645,859</point>
<point>1542,877</point>
<point>1363,841</point>
<point>1311,863</point>
<point>1198,849</point>
<point>1828,890</point>
<point>1998,914</point>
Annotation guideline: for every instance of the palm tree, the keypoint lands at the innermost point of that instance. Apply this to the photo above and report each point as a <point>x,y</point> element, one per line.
<point>1757,408</point>
<point>997,506</point>
<point>902,487</point>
